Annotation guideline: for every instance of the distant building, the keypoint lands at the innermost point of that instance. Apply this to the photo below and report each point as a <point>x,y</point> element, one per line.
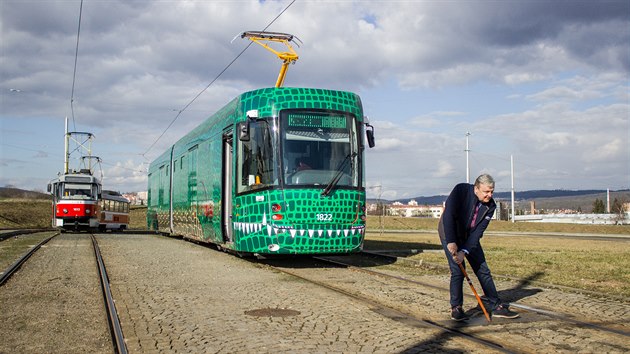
<point>412,209</point>
<point>137,198</point>
<point>607,219</point>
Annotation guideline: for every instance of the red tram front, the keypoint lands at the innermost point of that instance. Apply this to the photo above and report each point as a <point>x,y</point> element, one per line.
<point>75,201</point>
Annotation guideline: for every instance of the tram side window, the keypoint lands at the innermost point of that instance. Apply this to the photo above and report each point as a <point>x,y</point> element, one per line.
<point>192,174</point>
<point>56,190</point>
<point>160,187</point>
<point>256,159</point>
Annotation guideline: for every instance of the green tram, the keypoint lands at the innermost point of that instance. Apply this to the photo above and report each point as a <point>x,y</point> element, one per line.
<point>276,171</point>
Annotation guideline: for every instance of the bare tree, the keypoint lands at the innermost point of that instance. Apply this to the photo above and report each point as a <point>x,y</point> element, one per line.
<point>618,208</point>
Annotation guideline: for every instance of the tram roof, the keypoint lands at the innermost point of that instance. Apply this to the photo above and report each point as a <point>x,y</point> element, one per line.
<point>268,102</point>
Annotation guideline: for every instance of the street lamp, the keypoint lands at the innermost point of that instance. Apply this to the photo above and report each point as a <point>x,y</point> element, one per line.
<point>467,164</point>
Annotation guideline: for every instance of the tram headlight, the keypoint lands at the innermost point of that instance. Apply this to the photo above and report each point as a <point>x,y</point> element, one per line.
<point>87,210</point>
<point>277,217</point>
<point>65,211</point>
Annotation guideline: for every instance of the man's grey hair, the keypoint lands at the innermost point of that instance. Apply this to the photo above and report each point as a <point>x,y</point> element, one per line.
<point>485,179</point>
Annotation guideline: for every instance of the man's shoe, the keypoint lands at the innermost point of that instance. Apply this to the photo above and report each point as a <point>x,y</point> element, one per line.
<point>504,312</point>
<point>457,314</point>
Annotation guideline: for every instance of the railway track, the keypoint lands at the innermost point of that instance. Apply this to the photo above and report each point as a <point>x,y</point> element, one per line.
<point>17,264</point>
<point>393,294</point>
<point>566,317</point>
<point>412,308</point>
<point>400,315</point>
<point>115,328</point>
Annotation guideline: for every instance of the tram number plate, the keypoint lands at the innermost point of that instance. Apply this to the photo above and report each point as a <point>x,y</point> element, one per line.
<point>324,217</point>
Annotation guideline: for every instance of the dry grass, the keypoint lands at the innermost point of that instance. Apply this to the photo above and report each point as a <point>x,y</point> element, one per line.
<point>37,214</point>
<point>25,213</point>
<point>138,217</point>
<point>375,223</point>
<point>589,264</point>
<point>13,248</point>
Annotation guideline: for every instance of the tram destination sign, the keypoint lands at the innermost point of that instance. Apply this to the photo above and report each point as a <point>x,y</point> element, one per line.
<point>312,120</point>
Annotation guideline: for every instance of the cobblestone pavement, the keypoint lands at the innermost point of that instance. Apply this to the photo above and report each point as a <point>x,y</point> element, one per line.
<point>532,332</point>
<point>178,297</point>
<point>174,296</point>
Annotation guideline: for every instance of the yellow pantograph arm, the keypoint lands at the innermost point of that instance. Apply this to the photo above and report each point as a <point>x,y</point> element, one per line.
<point>287,57</point>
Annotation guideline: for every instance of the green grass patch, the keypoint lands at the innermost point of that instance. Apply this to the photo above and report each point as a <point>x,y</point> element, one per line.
<point>594,265</point>
<point>376,223</point>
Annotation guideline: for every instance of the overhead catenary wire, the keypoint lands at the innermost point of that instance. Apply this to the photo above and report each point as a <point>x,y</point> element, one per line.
<point>45,150</point>
<point>74,74</point>
<point>179,113</point>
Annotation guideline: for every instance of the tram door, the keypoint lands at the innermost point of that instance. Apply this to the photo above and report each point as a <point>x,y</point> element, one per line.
<point>226,190</point>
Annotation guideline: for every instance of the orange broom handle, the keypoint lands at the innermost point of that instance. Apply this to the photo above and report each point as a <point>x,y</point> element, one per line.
<point>474,292</point>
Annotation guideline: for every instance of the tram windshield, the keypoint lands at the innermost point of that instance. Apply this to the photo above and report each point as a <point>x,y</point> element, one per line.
<point>319,148</point>
<point>311,148</point>
<point>77,191</point>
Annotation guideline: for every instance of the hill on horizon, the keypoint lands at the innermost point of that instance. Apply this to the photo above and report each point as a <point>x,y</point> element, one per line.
<point>16,193</point>
<point>543,199</point>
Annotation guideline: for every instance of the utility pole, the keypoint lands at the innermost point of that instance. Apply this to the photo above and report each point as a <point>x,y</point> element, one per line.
<point>512,173</point>
<point>381,218</point>
<point>467,164</point>
<point>380,204</point>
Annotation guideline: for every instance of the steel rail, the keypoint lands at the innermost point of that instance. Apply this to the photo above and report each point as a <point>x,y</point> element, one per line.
<point>396,314</point>
<point>15,266</point>
<point>551,314</point>
<point>389,254</point>
<point>9,234</point>
<point>112,315</point>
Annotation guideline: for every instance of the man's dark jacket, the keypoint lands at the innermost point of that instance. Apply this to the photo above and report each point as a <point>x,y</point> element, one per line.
<point>455,223</point>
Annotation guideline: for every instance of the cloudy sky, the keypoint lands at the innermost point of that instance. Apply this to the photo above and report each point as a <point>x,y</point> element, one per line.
<point>546,82</point>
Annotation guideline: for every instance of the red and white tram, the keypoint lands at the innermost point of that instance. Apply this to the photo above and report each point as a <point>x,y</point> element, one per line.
<point>75,201</point>
<point>114,211</point>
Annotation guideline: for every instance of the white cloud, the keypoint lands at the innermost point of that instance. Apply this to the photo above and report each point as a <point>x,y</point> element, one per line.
<point>556,75</point>
<point>444,169</point>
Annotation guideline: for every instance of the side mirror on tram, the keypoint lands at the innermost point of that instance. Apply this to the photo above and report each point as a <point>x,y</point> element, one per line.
<point>49,188</point>
<point>243,127</point>
<point>243,131</point>
<point>370,135</point>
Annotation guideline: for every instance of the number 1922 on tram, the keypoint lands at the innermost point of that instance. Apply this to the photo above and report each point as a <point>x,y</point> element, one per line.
<point>275,171</point>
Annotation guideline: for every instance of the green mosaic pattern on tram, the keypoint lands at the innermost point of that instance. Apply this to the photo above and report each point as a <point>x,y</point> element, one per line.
<point>299,231</point>
<point>255,231</point>
<point>269,101</point>
<point>197,206</point>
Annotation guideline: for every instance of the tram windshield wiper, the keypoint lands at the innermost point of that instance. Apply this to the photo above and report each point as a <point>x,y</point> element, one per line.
<point>333,182</point>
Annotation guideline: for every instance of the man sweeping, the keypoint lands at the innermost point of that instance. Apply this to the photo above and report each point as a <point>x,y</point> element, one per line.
<point>467,213</point>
